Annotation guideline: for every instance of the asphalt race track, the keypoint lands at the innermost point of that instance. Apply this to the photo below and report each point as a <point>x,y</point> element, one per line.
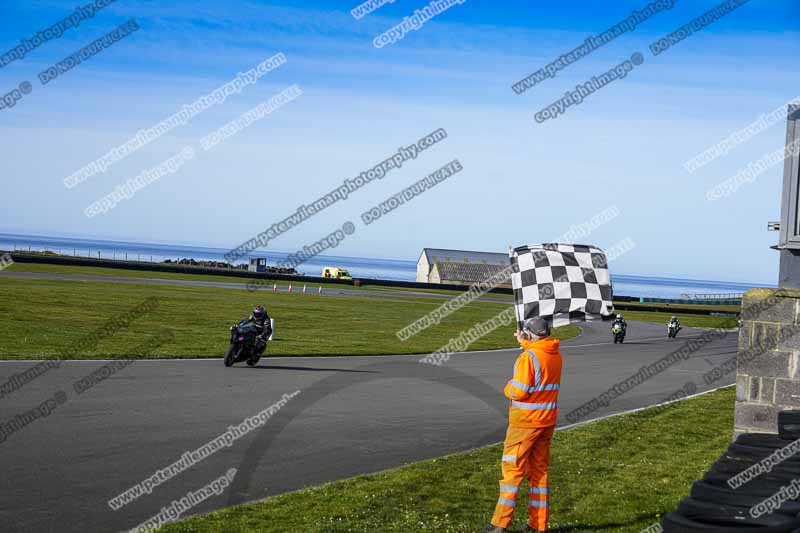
<point>353,415</point>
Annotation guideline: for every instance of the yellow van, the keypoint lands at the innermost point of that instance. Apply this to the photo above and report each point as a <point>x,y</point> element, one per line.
<point>336,273</point>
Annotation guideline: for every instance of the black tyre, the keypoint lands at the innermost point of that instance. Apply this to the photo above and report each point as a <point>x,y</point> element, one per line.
<point>734,465</point>
<point>253,360</point>
<point>789,424</point>
<point>763,440</point>
<point>729,515</point>
<point>675,523</point>
<point>230,355</point>
<point>756,453</point>
<point>764,483</point>
<point>706,492</point>
<point>729,466</point>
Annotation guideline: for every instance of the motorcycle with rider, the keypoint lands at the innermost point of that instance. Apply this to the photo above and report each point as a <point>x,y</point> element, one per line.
<point>618,329</point>
<point>673,327</point>
<point>249,338</point>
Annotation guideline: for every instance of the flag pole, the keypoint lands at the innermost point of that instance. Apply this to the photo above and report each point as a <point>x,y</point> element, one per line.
<point>511,261</point>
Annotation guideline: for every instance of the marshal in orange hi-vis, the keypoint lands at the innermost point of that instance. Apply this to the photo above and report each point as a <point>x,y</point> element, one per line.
<point>533,392</point>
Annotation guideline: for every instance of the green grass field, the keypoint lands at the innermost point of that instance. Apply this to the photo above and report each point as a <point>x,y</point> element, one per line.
<point>148,274</point>
<point>118,272</point>
<point>694,321</point>
<point>125,273</point>
<point>667,307</point>
<point>306,324</point>
<point>619,474</point>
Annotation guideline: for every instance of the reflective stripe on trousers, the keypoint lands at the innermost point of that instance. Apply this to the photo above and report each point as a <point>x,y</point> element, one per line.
<point>529,451</point>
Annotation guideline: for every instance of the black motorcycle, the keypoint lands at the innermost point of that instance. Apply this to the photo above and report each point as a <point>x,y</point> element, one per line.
<point>619,333</point>
<point>243,345</point>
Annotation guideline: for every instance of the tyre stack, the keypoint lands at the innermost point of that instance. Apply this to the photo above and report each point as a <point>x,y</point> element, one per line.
<point>715,506</point>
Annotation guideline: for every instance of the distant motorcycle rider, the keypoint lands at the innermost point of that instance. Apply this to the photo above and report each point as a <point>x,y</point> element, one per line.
<point>260,319</point>
<point>673,327</point>
<point>621,321</point>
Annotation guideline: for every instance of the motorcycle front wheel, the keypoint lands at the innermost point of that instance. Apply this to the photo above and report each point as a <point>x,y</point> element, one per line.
<point>230,355</point>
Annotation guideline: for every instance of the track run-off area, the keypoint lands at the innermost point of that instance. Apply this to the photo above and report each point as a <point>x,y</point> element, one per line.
<point>352,415</point>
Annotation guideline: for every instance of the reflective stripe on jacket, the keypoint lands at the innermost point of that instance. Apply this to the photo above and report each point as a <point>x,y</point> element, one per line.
<point>533,390</point>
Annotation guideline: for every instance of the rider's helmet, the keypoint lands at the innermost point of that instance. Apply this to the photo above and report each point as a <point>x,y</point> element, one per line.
<point>259,312</point>
<point>673,319</point>
<point>619,317</point>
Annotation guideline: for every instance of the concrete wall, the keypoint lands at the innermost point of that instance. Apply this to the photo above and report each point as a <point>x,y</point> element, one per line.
<point>423,270</point>
<point>434,276</point>
<point>768,359</point>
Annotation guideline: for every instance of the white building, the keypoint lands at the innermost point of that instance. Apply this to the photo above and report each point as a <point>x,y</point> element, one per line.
<point>458,267</point>
<point>257,264</point>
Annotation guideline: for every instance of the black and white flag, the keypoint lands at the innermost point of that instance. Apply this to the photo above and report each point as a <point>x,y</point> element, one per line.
<point>562,283</point>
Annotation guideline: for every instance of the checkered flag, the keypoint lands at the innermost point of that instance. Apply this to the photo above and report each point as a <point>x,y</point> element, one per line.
<point>562,283</point>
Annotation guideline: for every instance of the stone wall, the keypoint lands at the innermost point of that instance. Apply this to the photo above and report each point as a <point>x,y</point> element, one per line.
<point>768,365</point>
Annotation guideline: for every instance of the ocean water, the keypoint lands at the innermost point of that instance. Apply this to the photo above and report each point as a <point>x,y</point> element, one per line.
<point>359,267</point>
<point>393,269</point>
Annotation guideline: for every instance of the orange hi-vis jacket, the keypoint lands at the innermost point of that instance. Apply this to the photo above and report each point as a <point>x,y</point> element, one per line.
<point>533,390</point>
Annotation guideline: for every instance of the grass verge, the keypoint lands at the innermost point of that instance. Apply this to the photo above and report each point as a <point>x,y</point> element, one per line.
<point>699,321</point>
<point>705,307</point>
<point>691,321</point>
<point>40,318</point>
<point>618,474</point>
<point>307,324</point>
<point>143,274</point>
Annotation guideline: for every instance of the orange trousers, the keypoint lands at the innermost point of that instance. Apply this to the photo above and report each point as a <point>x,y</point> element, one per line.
<point>526,453</point>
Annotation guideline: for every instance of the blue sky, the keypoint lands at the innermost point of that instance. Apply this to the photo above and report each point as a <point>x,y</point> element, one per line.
<point>522,182</point>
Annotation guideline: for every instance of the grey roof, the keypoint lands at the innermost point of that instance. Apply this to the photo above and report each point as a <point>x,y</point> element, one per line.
<point>438,255</point>
<point>468,272</point>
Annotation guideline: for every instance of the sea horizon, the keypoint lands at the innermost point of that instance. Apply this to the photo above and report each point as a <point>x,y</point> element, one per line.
<point>359,266</point>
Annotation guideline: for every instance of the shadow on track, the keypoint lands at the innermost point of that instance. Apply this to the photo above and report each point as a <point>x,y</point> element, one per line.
<point>306,369</point>
<point>389,369</point>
